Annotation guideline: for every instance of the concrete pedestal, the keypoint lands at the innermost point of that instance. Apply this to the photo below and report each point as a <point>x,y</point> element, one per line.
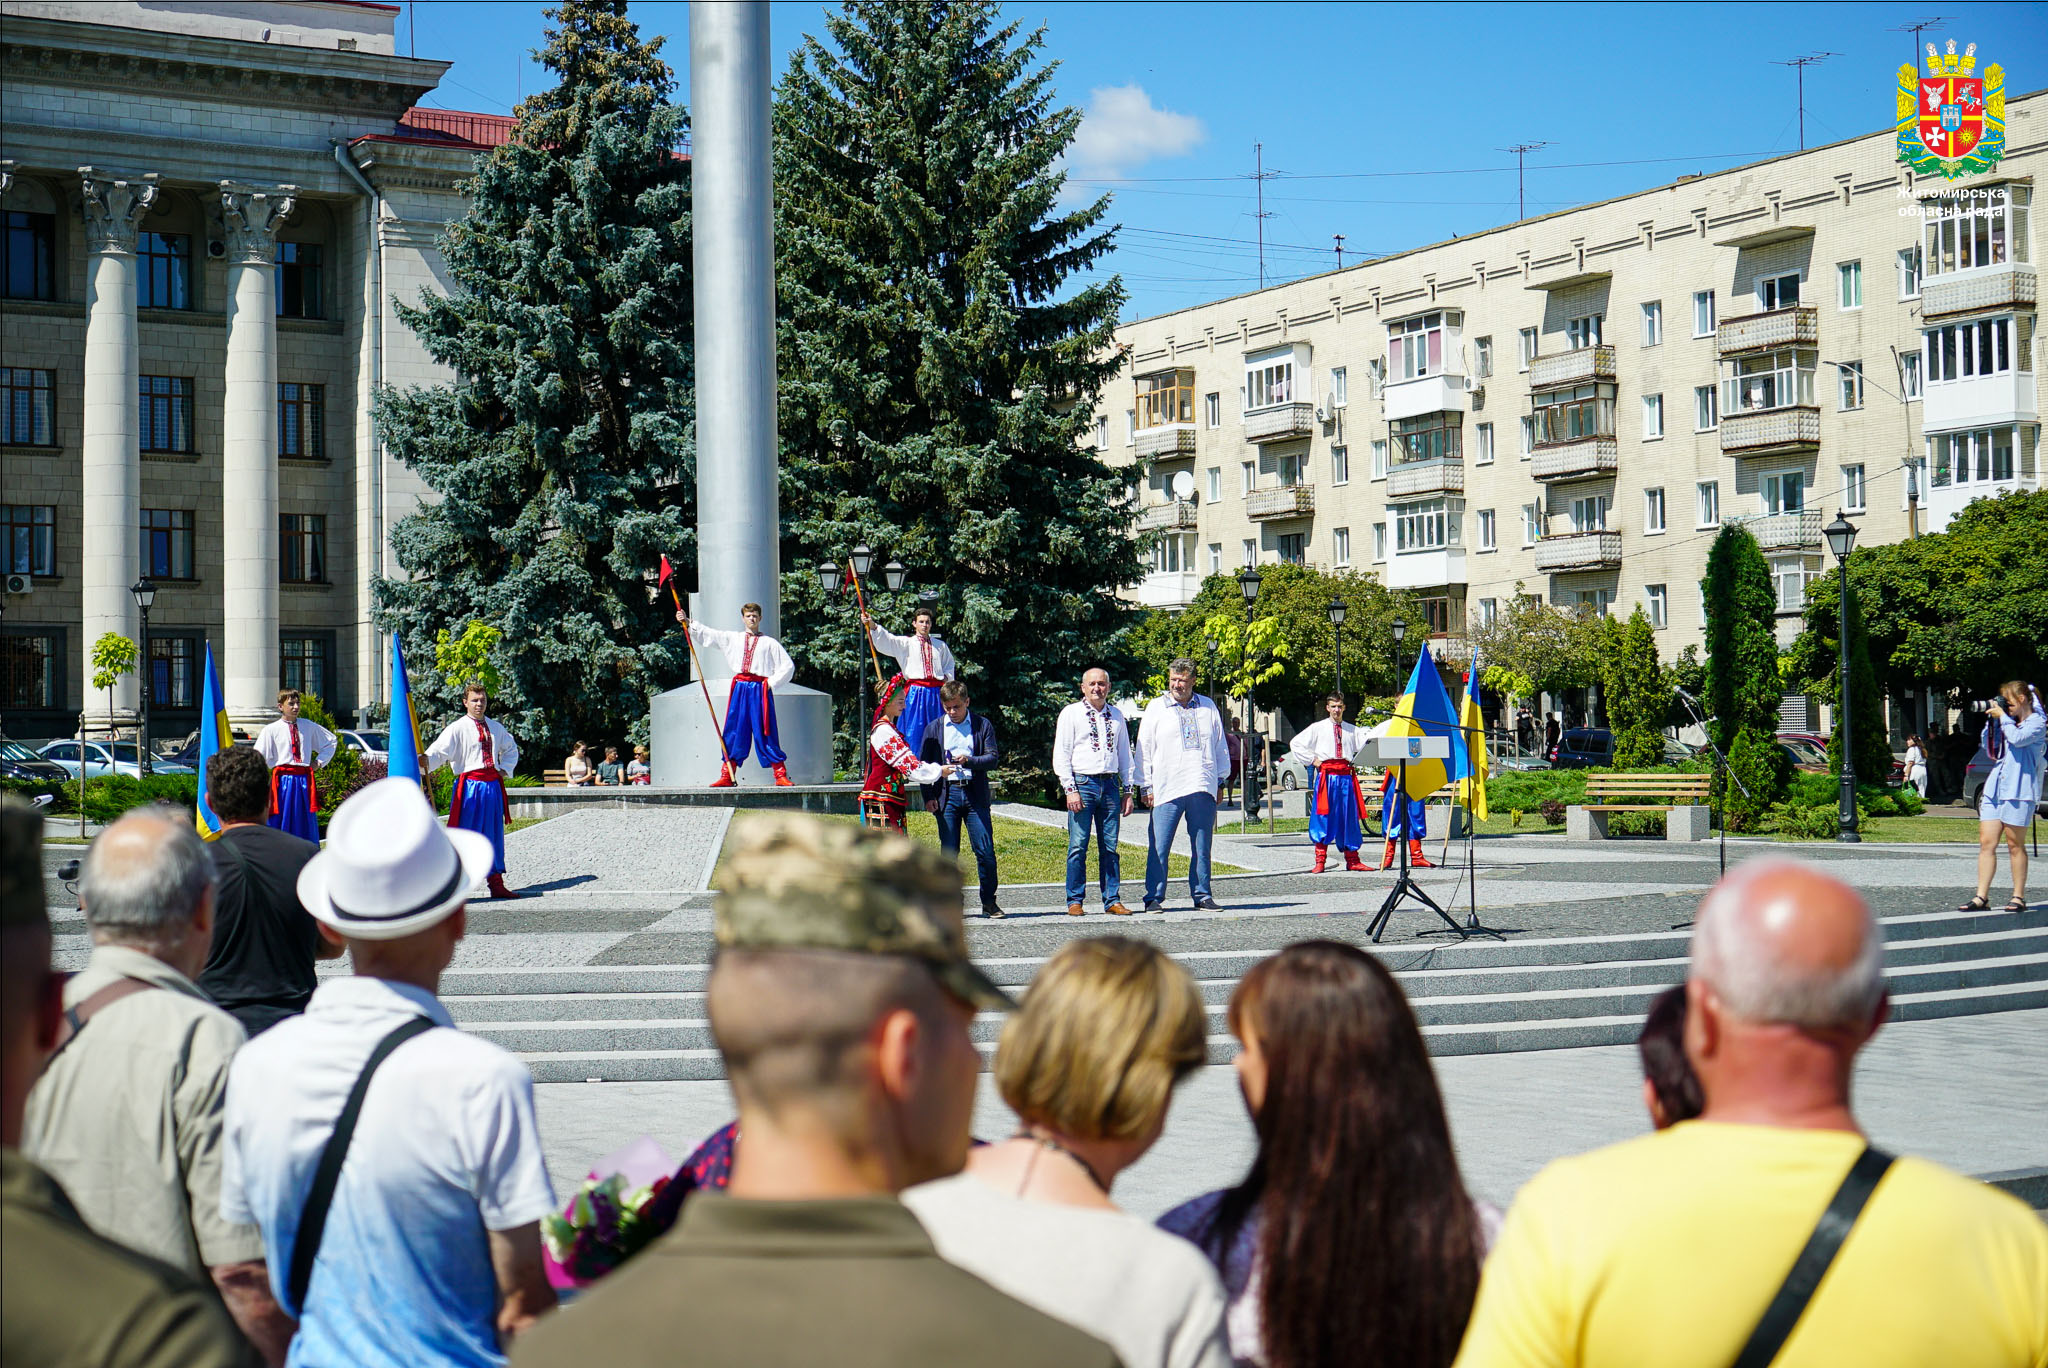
<point>1694,823</point>
<point>685,751</point>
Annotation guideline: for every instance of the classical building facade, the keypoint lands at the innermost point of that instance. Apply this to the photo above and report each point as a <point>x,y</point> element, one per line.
<point>209,207</point>
<point>1571,406</point>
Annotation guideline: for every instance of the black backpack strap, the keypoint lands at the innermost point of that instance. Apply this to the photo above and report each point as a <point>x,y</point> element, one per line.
<point>313,1219</point>
<point>1811,1266</point>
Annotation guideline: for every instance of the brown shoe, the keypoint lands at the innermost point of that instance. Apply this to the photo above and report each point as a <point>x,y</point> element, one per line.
<point>1075,909</point>
<point>1117,910</point>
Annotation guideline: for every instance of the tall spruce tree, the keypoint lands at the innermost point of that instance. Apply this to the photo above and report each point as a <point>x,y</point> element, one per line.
<point>1637,691</point>
<point>561,452</point>
<point>938,368</point>
<point>1743,692</point>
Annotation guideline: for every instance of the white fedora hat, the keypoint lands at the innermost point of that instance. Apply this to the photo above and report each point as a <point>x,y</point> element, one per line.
<point>389,867</point>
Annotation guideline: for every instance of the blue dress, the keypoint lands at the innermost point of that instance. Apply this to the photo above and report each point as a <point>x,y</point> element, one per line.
<point>2013,787</point>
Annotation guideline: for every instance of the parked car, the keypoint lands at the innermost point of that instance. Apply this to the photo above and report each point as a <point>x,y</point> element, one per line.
<point>99,759</point>
<point>370,743</point>
<point>1290,773</point>
<point>1803,755</point>
<point>19,762</point>
<point>1974,775</point>
<point>186,752</point>
<point>1506,763</point>
<point>1582,748</point>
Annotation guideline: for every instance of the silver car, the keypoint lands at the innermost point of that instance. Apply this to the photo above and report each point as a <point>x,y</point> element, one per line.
<point>99,759</point>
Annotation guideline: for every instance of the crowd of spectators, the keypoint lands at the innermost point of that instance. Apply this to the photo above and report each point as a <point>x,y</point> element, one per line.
<point>343,1177</point>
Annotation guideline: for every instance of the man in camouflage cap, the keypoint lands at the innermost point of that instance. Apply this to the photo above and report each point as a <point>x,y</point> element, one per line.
<point>842,999</point>
<point>71,1295</point>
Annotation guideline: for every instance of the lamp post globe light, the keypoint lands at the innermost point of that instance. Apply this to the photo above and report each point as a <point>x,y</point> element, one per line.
<point>1399,628</point>
<point>893,575</point>
<point>1337,610</point>
<point>144,590</point>
<point>1841,535</point>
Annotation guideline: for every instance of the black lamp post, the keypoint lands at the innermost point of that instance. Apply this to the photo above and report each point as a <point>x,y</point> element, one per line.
<point>829,575</point>
<point>144,590</point>
<point>1248,584</point>
<point>1399,627</point>
<point>1841,535</point>
<point>1338,608</point>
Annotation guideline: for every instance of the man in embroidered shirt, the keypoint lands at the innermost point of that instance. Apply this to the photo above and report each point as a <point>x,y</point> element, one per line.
<point>294,749</point>
<point>1183,759</point>
<point>1096,765</point>
<point>925,663</point>
<point>1337,808</point>
<point>482,754</point>
<point>759,667</point>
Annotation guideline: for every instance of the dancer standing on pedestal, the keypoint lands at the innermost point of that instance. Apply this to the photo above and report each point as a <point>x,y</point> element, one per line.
<point>1402,819</point>
<point>891,762</point>
<point>759,667</point>
<point>925,663</point>
<point>294,749</point>
<point>1337,809</point>
<point>482,753</point>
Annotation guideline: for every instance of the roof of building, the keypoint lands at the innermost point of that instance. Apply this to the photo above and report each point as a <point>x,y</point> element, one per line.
<point>455,128</point>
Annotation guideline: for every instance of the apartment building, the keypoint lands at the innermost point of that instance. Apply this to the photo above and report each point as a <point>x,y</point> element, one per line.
<point>1571,406</point>
<point>208,208</point>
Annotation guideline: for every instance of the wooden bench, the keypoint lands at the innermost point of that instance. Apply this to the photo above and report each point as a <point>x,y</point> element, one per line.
<point>1682,798</point>
<point>555,778</point>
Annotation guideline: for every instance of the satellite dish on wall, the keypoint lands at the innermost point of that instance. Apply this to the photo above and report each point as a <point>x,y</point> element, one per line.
<point>1183,485</point>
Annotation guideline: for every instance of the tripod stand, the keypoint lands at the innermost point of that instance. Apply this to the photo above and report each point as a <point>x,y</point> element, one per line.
<point>1722,774</point>
<point>1404,886</point>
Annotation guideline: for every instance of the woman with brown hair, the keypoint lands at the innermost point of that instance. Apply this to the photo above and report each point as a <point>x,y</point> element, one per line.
<point>1352,1239</point>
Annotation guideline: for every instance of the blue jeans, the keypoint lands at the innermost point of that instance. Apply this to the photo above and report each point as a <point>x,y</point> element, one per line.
<point>1200,811</point>
<point>955,812</point>
<point>1102,801</point>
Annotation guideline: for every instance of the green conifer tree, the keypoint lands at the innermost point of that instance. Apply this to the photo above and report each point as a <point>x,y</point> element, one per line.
<point>938,368</point>
<point>561,453</point>
<point>1743,692</point>
<point>1638,692</point>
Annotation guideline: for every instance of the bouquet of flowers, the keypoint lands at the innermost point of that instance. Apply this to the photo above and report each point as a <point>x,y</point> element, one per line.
<point>612,1217</point>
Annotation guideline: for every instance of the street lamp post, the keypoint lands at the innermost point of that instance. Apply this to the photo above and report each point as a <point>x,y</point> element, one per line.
<point>1399,627</point>
<point>1841,535</point>
<point>144,590</point>
<point>1248,583</point>
<point>830,575</point>
<point>1338,608</point>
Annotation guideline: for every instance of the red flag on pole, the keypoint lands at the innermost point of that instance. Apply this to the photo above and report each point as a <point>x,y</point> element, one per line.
<point>668,572</point>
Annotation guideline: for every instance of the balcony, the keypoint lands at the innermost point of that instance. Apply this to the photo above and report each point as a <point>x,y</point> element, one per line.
<point>1167,517</point>
<point>1410,478</point>
<point>1798,326</point>
<point>1578,551</point>
<point>1287,501</point>
<point>1168,589</point>
<point>1580,366</point>
<point>1770,431</point>
<point>1165,443</point>
<point>1582,458</point>
<point>1279,423</point>
<point>1436,569</point>
<point>2010,286</point>
<point>1427,394</point>
<point>1980,401</point>
<point>1787,531</point>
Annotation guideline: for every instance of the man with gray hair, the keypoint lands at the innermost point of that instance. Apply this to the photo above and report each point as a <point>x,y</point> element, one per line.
<point>128,1114</point>
<point>1183,762</point>
<point>1705,1243</point>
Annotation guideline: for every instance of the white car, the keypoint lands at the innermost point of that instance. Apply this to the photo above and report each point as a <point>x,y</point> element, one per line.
<point>100,759</point>
<point>370,743</point>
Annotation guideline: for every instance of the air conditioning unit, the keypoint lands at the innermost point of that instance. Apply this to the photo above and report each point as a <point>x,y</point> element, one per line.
<point>20,584</point>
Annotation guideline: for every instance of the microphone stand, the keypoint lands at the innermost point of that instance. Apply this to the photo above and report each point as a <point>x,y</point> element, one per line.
<point>1722,774</point>
<point>1404,885</point>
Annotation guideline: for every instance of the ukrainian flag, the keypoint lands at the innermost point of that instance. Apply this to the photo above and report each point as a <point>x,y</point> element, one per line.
<point>1425,710</point>
<point>1468,754</point>
<point>403,756</point>
<point>214,736</point>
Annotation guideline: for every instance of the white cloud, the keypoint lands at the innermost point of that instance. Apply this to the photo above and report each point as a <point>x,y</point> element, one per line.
<point>1122,130</point>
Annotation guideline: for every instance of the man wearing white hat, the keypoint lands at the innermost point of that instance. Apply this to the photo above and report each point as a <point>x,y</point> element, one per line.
<point>424,1248</point>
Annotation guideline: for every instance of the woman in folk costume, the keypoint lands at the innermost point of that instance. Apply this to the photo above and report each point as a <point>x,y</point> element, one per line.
<point>1337,811</point>
<point>1400,818</point>
<point>891,761</point>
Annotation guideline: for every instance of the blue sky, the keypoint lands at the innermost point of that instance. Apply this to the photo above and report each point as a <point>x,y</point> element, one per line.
<point>1383,122</point>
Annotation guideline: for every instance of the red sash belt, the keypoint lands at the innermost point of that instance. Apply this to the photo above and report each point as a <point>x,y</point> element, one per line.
<point>312,793</point>
<point>924,683</point>
<point>754,678</point>
<point>488,776</point>
<point>1323,772</point>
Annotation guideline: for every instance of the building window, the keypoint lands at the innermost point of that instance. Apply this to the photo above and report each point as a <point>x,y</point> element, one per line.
<point>1101,432</point>
<point>1251,551</point>
<point>1212,408</point>
<point>1427,526</point>
<point>1583,331</point>
<point>1986,228</point>
<point>28,415</point>
<point>1166,399</point>
<point>1594,601</point>
<point>1702,313</point>
<point>1379,459</point>
<point>1269,383</point>
<point>1653,417</point>
<point>1653,322</point>
<point>1784,492</point>
<point>28,255</point>
<point>1289,470</point>
<point>1707,504</point>
<point>1215,484</point>
<point>1849,394</point>
<point>1215,558</point>
<point>1653,511</point>
<point>1293,548</point>
<point>1482,440</point>
<point>1978,457</point>
<point>1658,600</point>
<point>1909,375</point>
<point>1247,473</point>
<point>1589,513</point>
<point>171,672</point>
<point>1962,351</point>
<point>1431,437</point>
<point>1849,275</point>
<point>298,280</point>
<point>167,543</point>
<point>1340,388</point>
<point>1567,415</point>
<point>1340,465</point>
<point>1791,576</point>
<point>1487,535</point>
<point>1706,408</point>
<point>1482,357</point>
<point>1529,435</point>
<point>1772,380</point>
<point>1379,542</point>
<point>1909,273</point>
<point>1130,427</point>
<point>1532,524</point>
<point>29,664</point>
<point>1166,556</point>
<point>1340,546</point>
<point>1415,347</point>
<point>302,421</point>
<point>166,413</point>
<point>1526,348</point>
<point>1852,489</point>
<point>165,279</point>
<point>32,539</point>
<point>1489,612</point>
<point>302,664</point>
<point>302,548</point>
<point>1778,292</point>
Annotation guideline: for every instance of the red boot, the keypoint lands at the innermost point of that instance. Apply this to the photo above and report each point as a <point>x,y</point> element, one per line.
<point>1352,862</point>
<point>782,778</point>
<point>498,888</point>
<point>1322,857</point>
<point>724,779</point>
<point>1415,857</point>
<point>1387,860</point>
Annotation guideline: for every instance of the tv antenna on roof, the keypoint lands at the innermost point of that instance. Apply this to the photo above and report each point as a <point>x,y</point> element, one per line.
<point>1916,28</point>
<point>1802,63</point>
<point>1261,175</point>
<point>1521,150</point>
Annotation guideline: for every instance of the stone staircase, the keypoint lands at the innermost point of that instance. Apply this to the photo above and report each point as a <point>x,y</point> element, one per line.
<point>646,1022</point>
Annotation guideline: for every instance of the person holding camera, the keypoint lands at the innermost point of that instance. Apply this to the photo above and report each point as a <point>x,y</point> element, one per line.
<point>2015,734</point>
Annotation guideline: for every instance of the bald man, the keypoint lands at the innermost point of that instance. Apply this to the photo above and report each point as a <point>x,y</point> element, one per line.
<point>1667,1249</point>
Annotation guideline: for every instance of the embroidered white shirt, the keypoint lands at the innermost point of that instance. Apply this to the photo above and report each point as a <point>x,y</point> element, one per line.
<point>274,744</point>
<point>1316,743</point>
<point>458,747</point>
<point>925,658</point>
<point>1087,742</point>
<point>765,658</point>
<point>1181,750</point>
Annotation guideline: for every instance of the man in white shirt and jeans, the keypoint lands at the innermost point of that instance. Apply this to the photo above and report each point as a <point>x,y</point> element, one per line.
<point>1092,755</point>
<point>1184,760</point>
<point>428,1253</point>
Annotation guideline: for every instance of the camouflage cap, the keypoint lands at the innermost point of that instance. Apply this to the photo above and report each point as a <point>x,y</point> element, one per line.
<point>793,882</point>
<point>21,865</point>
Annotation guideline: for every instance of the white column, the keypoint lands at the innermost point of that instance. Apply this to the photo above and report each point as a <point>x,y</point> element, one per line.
<point>249,537</point>
<point>111,460</point>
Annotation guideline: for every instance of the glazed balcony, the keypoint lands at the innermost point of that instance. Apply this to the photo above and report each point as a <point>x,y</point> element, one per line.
<point>1171,442</point>
<point>1787,531</point>
<point>1279,423</point>
<point>1286,501</point>
<point>1798,326</point>
<point>1177,514</point>
<point>1578,551</point>
<point>1580,366</point>
<point>1984,290</point>
<point>1582,458</point>
<point>1409,478</point>
<point>1770,431</point>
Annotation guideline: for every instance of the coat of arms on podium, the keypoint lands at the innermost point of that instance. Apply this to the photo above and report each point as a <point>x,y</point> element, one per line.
<point>1951,120</point>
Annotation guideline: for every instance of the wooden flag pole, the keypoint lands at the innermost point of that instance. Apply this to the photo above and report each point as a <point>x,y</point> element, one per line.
<point>874,657</point>
<point>698,666</point>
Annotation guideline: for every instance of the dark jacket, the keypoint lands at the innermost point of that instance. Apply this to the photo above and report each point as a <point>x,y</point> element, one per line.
<point>932,750</point>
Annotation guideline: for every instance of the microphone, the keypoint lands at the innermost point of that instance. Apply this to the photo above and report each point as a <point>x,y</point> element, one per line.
<point>1685,695</point>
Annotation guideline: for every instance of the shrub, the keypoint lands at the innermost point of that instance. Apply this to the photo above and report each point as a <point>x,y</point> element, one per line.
<point>1552,810</point>
<point>1820,822</point>
<point>31,789</point>
<point>108,796</point>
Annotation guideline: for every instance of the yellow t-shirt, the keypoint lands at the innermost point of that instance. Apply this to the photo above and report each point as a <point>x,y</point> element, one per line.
<point>1663,1252</point>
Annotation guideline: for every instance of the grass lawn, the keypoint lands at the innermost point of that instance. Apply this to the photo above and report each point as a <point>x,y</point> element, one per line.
<point>1876,829</point>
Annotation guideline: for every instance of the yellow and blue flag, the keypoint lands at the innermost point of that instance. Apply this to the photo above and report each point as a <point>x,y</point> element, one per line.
<point>215,736</point>
<point>1468,753</point>
<point>404,758</point>
<point>1425,710</point>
